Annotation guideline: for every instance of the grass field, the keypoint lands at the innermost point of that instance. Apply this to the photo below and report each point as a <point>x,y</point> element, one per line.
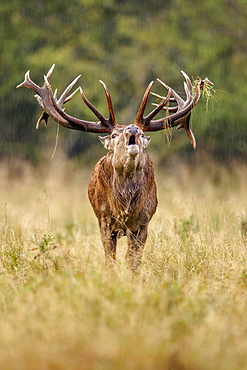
<point>61,309</point>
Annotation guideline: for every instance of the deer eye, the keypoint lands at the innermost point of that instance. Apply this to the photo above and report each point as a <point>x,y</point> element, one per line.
<point>113,136</point>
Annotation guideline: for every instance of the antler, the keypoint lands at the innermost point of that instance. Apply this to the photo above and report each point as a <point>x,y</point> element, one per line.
<point>178,115</point>
<point>53,107</point>
<point>142,121</point>
<point>182,111</point>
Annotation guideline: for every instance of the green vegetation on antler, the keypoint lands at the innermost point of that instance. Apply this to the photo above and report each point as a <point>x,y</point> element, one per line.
<point>207,89</point>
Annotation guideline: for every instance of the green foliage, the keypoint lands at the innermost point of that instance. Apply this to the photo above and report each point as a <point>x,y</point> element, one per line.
<point>126,44</point>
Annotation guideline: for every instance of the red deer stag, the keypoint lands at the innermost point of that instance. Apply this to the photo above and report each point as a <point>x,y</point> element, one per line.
<point>122,189</point>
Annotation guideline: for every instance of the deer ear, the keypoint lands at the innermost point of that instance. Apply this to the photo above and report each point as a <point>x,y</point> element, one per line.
<point>146,141</point>
<point>106,141</point>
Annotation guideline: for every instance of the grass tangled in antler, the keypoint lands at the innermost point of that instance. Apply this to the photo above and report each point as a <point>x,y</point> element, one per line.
<point>207,89</point>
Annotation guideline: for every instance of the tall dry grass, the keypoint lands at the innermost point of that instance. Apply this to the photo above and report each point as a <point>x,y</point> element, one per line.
<point>60,308</point>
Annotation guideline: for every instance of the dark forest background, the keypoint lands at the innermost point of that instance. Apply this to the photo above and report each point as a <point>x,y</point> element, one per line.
<point>126,44</point>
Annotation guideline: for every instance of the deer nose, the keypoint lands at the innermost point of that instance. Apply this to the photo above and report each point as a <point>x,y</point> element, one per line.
<point>132,129</point>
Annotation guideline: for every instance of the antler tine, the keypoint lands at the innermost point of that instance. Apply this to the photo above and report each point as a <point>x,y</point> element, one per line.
<point>171,99</point>
<point>92,107</point>
<point>187,91</point>
<point>55,94</point>
<point>186,125</point>
<point>112,118</point>
<point>144,121</point>
<point>71,95</point>
<point>188,88</point>
<point>49,73</point>
<point>63,98</point>
<point>160,96</point>
<point>188,82</point>
<point>169,109</point>
<point>158,108</point>
<point>29,83</point>
<point>177,98</point>
<point>139,117</point>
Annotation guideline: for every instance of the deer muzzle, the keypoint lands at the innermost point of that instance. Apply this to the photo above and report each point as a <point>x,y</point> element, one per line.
<point>132,134</point>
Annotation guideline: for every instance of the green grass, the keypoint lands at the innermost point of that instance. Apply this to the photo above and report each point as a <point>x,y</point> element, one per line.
<point>61,309</point>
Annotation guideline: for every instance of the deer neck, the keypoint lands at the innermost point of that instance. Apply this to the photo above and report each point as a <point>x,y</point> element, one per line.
<point>128,166</point>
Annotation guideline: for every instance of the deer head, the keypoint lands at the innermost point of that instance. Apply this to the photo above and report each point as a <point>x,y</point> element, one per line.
<point>126,146</point>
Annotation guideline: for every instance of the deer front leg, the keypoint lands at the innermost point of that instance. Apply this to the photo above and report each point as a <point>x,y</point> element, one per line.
<point>109,241</point>
<point>136,243</point>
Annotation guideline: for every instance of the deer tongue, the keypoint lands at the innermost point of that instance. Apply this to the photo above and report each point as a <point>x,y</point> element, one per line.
<point>133,150</point>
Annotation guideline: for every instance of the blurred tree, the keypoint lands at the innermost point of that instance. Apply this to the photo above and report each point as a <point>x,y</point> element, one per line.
<point>126,44</point>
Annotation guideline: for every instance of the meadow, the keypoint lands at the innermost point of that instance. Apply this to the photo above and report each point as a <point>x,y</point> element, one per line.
<point>61,309</point>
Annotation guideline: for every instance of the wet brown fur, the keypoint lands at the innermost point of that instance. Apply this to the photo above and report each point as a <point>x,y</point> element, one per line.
<point>124,202</point>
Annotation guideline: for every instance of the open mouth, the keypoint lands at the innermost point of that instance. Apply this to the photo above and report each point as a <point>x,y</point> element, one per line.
<point>132,146</point>
<point>132,140</point>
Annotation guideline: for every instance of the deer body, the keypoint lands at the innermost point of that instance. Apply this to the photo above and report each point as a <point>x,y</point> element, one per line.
<point>122,192</point>
<point>122,189</point>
